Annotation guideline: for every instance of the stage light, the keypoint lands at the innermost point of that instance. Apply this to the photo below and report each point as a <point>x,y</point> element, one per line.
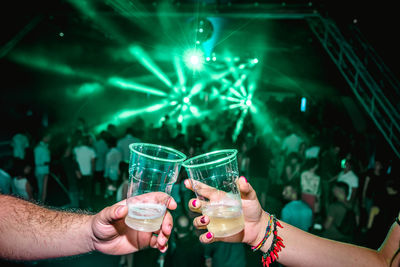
<point>194,59</point>
<point>303,104</point>
<point>186,100</point>
<point>180,118</point>
<point>255,61</point>
<point>248,102</point>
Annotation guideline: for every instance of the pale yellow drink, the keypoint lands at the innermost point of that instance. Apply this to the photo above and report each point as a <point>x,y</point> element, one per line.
<point>146,217</point>
<point>225,220</point>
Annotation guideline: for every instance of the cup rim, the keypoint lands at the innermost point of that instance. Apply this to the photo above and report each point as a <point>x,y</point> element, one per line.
<point>131,147</point>
<point>229,158</point>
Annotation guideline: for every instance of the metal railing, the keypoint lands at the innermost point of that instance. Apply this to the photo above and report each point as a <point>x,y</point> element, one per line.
<point>361,74</point>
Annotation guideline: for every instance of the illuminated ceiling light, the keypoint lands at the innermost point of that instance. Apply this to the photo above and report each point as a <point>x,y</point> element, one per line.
<point>248,102</point>
<point>255,61</point>
<point>214,58</point>
<point>208,58</point>
<point>186,100</point>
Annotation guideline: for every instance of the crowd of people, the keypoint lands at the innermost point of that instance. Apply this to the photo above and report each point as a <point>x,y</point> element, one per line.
<point>318,184</point>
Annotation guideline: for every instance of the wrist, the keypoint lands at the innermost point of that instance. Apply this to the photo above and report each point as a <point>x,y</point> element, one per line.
<point>262,226</point>
<point>91,236</point>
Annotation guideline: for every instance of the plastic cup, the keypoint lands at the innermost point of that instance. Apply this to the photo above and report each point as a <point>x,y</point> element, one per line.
<point>153,169</point>
<point>214,179</point>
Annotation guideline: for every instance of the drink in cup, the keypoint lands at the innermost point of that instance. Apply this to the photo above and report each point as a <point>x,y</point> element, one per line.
<point>213,177</point>
<point>153,170</point>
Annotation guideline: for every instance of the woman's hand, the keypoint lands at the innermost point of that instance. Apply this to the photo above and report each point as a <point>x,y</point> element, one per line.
<point>255,219</point>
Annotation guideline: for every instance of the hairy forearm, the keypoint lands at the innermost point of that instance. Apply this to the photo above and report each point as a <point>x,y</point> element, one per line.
<point>305,249</point>
<point>28,231</point>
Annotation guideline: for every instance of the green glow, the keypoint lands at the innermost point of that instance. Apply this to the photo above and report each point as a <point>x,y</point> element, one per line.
<point>229,98</point>
<point>186,99</point>
<point>84,90</point>
<point>254,61</point>
<point>217,76</point>
<point>196,89</point>
<point>195,111</point>
<point>235,106</point>
<point>179,70</point>
<point>129,113</point>
<point>184,108</point>
<point>243,90</point>
<point>86,8</point>
<point>236,93</point>
<point>239,125</point>
<point>248,102</point>
<point>148,63</point>
<point>194,59</point>
<point>180,118</point>
<point>40,62</point>
<point>173,103</point>
<point>129,85</point>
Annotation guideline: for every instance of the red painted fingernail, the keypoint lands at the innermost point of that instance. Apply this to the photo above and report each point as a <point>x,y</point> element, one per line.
<point>194,203</point>
<point>203,220</point>
<point>209,235</point>
<point>244,178</point>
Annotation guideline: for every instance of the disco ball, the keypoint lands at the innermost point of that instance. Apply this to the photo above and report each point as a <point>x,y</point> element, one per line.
<point>201,29</point>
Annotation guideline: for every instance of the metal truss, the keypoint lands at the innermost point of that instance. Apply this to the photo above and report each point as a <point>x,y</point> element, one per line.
<point>371,81</point>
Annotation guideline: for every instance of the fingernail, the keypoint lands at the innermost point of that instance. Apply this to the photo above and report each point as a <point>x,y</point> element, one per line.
<point>118,211</point>
<point>194,203</point>
<point>203,220</point>
<point>244,178</point>
<point>209,235</point>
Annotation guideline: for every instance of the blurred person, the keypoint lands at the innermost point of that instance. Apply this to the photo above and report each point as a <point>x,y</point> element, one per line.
<point>350,178</point>
<point>122,192</point>
<point>21,184</point>
<point>42,159</point>
<point>311,184</point>
<point>243,159</point>
<point>296,212</point>
<point>222,254</point>
<point>291,143</point>
<point>292,168</point>
<point>31,232</point>
<point>374,181</point>
<point>124,142</point>
<point>329,167</point>
<point>101,148</point>
<point>112,165</point>
<point>336,214</point>
<point>291,246</point>
<point>20,143</point>
<point>70,170</point>
<point>385,205</point>
<point>5,177</point>
<point>85,156</point>
<point>185,248</point>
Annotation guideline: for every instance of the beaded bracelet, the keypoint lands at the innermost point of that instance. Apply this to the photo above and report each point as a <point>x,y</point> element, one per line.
<point>268,232</point>
<point>277,244</point>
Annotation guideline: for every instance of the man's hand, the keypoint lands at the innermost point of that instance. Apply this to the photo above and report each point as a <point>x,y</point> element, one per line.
<point>112,236</point>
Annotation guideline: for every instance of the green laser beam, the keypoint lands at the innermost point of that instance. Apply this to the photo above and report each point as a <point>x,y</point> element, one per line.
<point>130,85</point>
<point>149,64</point>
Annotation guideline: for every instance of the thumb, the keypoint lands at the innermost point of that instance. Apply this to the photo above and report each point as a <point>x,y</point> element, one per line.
<point>246,190</point>
<point>113,213</point>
